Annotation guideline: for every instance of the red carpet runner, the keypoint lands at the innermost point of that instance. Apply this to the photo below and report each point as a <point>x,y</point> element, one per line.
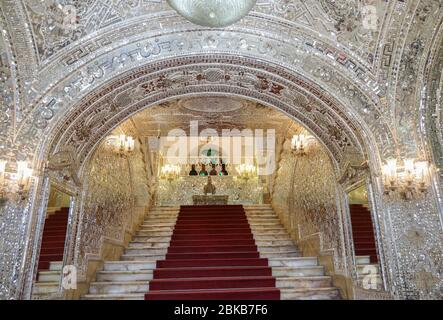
<point>212,255</point>
<point>53,242</point>
<point>363,232</point>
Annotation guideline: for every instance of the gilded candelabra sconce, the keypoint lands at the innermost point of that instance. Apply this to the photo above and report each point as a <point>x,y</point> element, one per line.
<point>300,144</point>
<point>170,172</point>
<point>122,144</point>
<point>408,181</point>
<point>14,184</point>
<point>246,171</point>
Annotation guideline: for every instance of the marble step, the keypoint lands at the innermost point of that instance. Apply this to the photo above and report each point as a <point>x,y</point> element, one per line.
<point>293,262</point>
<point>298,271</point>
<point>259,227</point>
<point>263,219</point>
<point>148,244</point>
<point>271,237</point>
<point>260,212</point>
<point>162,212</point>
<point>165,208</point>
<point>129,265</point>
<point>143,257</point>
<point>149,238</point>
<point>160,218</point>
<point>266,228</point>
<point>45,287</point>
<point>119,287</point>
<point>310,294</point>
<point>287,254</point>
<point>165,223</point>
<point>262,205</point>
<point>49,276</point>
<point>262,232</point>
<point>115,296</point>
<point>151,233</point>
<point>261,215</point>
<point>117,276</point>
<point>363,260</point>
<point>155,229</point>
<point>146,275</point>
<point>55,266</point>
<point>303,282</point>
<point>276,248</point>
<point>157,225</point>
<point>167,218</point>
<point>273,242</point>
<point>266,218</point>
<point>146,250</point>
<point>267,234</point>
<point>261,224</point>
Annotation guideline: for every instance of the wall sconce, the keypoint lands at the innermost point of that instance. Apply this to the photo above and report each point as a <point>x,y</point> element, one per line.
<point>24,175</point>
<point>170,172</point>
<point>12,184</point>
<point>407,180</point>
<point>246,171</point>
<point>123,145</point>
<point>299,144</point>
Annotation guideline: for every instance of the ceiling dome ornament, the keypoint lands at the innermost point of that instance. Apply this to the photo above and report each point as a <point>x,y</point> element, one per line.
<point>213,13</point>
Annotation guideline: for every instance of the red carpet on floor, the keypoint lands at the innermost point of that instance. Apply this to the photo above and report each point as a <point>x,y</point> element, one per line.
<point>363,232</point>
<point>212,256</point>
<point>53,242</point>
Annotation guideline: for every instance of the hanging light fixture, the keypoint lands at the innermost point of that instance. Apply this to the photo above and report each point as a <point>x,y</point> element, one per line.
<point>212,13</point>
<point>246,171</point>
<point>408,180</point>
<point>170,172</point>
<point>14,183</point>
<point>300,143</point>
<point>123,145</point>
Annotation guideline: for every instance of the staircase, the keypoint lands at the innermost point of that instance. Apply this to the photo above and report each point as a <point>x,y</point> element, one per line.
<point>51,254</point>
<point>363,232</point>
<point>48,282</point>
<point>216,252</point>
<point>368,270</point>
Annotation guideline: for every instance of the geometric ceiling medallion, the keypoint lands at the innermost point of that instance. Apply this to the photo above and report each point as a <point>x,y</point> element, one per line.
<point>212,13</point>
<point>212,104</point>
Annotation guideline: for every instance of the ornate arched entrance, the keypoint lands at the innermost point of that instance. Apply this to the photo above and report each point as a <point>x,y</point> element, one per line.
<point>96,84</point>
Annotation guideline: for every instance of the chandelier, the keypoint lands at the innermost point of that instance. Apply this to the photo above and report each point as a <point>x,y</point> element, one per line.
<point>170,172</point>
<point>212,13</point>
<point>299,144</point>
<point>246,171</point>
<point>14,183</point>
<point>122,144</point>
<point>407,180</point>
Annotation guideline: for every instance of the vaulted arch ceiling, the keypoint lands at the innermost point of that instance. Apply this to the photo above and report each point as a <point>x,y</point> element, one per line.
<point>102,110</point>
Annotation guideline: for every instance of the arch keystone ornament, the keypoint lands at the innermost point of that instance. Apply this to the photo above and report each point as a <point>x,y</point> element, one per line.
<point>213,13</point>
